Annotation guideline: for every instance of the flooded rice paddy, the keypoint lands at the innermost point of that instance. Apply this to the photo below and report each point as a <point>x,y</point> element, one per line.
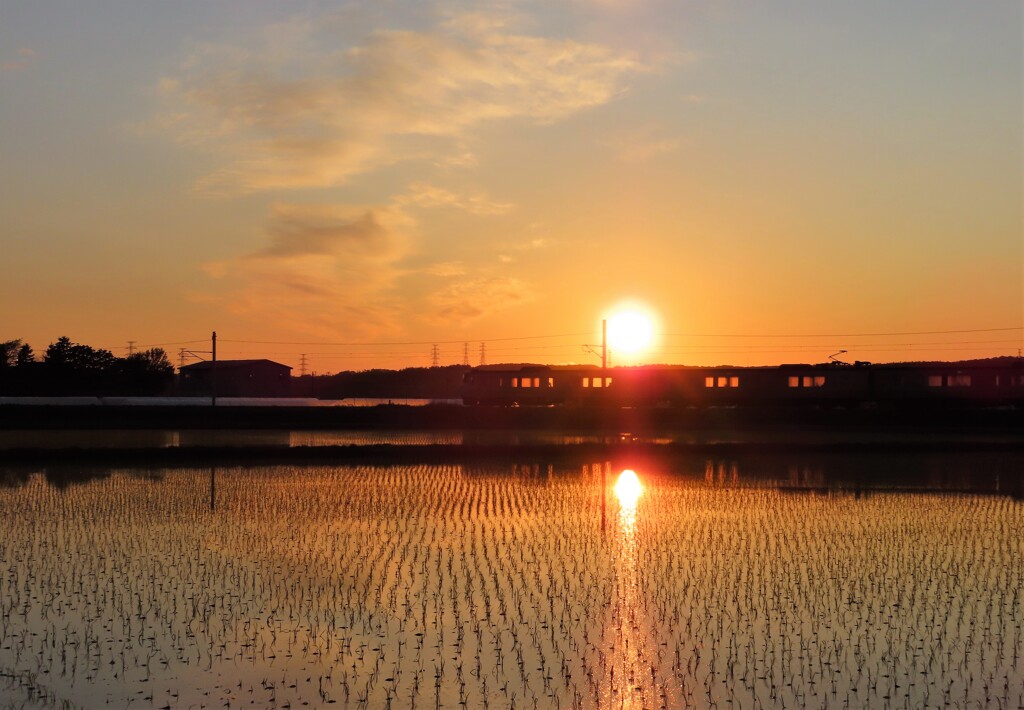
<point>697,582</point>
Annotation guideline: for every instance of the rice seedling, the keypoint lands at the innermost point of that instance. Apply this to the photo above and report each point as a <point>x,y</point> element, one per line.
<point>498,586</point>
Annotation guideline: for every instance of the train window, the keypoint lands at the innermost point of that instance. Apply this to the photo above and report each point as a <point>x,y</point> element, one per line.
<point>709,381</point>
<point>596,382</point>
<point>723,381</point>
<point>515,382</point>
<point>586,382</point>
<point>807,381</point>
<point>551,382</point>
<point>526,382</point>
<point>536,382</point>
<point>607,381</point>
<point>958,381</point>
<point>734,382</point>
<point>935,380</point>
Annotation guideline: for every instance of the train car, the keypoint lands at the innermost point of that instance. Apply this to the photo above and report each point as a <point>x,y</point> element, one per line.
<point>828,384</point>
<point>977,383</point>
<point>519,385</point>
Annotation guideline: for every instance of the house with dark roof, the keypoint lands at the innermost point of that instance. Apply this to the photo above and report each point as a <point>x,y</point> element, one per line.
<point>236,378</point>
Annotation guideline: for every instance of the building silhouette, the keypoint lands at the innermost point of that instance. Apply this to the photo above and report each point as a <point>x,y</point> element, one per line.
<point>236,378</point>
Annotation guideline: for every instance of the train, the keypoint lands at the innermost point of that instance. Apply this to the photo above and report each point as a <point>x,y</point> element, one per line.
<point>999,382</point>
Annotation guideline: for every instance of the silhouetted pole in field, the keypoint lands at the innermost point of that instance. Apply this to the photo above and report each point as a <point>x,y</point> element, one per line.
<point>213,370</point>
<point>592,349</point>
<point>604,496</point>
<point>604,347</point>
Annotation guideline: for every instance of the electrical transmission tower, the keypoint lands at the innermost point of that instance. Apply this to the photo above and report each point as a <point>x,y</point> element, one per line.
<point>302,366</point>
<point>483,354</point>
<point>435,356</point>
<point>131,348</point>
<point>465,354</point>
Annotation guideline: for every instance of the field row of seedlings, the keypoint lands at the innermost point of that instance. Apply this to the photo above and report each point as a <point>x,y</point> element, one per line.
<point>506,586</point>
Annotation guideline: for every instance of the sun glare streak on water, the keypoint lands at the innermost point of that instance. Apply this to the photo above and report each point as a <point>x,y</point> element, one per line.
<point>633,681</point>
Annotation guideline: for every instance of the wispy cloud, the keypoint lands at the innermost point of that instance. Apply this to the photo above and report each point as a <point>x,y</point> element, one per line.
<point>446,269</point>
<point>467,300</point>
<point>326,270</point>
<point>21,59</point>
<point>328,229</point>
<point>423,195</point>
<point>311,115</point>
<point>642,144</point>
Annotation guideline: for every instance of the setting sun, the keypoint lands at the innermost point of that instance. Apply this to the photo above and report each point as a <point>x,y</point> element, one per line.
<point>630,331</point>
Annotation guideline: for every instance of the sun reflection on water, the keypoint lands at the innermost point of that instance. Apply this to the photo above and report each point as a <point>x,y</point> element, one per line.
<point>631,681</point>
<point>628,490</point>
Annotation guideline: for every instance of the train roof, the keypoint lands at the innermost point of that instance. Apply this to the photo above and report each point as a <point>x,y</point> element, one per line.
<point>996,363</point>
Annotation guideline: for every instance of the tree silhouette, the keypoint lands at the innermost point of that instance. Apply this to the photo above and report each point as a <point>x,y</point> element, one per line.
<point>154,361</point>
<point>75,356</point>
<point>9,352</point>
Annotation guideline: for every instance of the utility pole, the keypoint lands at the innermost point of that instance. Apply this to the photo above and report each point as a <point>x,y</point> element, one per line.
<point>181,358</point>
<point>465,354</point>
<point>604,495</point>
<point>592,349</point>
<point>131,348</point>
<point>483,354</point>
<point>435,356</point>
<point>604,345</point>
<point>213,370</point>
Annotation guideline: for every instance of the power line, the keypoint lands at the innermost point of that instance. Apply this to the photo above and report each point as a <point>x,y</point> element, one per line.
<point>410,342</point>
<point>564,349</point>
<point>837,335</point>
<point>662,348</point>
<point>177,342</point>
<point>588,334</point>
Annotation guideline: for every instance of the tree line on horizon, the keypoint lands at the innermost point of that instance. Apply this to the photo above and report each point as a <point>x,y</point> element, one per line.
<point>68,369</point>
<point>409,383</point>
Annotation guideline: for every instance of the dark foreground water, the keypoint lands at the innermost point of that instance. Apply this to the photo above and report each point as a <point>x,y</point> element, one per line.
<point>757,582</point>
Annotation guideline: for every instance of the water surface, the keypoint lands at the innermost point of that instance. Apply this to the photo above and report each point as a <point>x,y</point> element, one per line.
<point>796,581</point>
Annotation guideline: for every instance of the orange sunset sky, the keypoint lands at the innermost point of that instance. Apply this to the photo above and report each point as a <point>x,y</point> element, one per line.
<point>356,181</point>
